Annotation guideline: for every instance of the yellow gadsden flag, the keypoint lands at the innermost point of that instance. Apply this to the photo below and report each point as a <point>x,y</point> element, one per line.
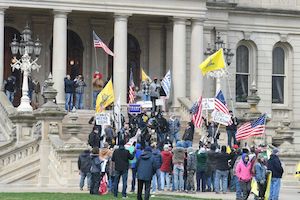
<point>145,76</point>
<point>105,97</point>
<point>213,62</point>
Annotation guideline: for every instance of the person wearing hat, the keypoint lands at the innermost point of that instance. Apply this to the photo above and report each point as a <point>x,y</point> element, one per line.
<point>260,177</point>
<point>201,168</point>
<point>145,169</point>
<point>97,86</point>
<point>191,168</point>
<point>274,165</point>
<point>79,89</point>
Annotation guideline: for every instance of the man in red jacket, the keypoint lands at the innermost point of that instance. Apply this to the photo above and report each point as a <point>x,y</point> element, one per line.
<point>165,167</point>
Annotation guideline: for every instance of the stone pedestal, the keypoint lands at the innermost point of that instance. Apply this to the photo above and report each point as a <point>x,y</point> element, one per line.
<point>284,137</point>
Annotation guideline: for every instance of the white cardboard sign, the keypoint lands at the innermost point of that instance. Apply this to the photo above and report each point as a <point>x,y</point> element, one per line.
<point>208,103</point>
<point>221,117</point>
<point>102,119</point>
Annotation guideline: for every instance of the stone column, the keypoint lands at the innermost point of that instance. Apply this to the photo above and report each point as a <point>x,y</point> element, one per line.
<point>179,60</point>
<point>59,55</point>
<point>156,67</point>
<point>1,47</point>
<point>196,58</point>
<point>120,58</point>
<point>169,46</point>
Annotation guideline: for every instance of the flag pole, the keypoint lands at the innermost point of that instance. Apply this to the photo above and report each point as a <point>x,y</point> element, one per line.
<point>96,62</point>
<point>230,95</point>
<point>265,135</point>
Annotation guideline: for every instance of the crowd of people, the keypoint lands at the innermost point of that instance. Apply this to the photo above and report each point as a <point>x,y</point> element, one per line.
<point>159,160</point>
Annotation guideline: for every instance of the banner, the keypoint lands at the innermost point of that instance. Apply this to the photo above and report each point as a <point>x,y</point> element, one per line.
<point>102,119</point>
<point>220,117</point>
<point>208,104</point>
<point>134,108</point>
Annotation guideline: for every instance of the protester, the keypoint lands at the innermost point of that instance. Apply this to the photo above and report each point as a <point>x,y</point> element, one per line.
<point>121,157</point>
<point>146,167</point>
<point>97,86</point>
<point>110,135</point>
<point>84,167</point>
<point>146,90</point>
<point>174,127</point>
<point>231,130</point>
<point>178,168</point>
<point>10,88</point>
<point>165,168</point>
<point>79,89</point>
<point>138,153</point>
<point>260,176</point>
<point>95,171</point>
<point>156,182</point>
<point>191,170</point>
<point>94,138</point>
<point>69,90</point>
<point>201,168</point>
<point>243,172</point>
<point>154,92</point>
<point>188,135</point>
<point>274,165</point>
<point>211,168</point>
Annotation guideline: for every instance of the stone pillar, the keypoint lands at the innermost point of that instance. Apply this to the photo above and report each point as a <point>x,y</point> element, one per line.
<point>169,45</point>
<point>1,47</point>
<point>196,58</point>
<point>120,58</point>
<point>179,60</point>
<point>156,67</point>
<point>59,56</point>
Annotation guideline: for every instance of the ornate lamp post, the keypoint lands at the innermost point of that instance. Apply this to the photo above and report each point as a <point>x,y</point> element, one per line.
<point>27,49</point>
<point>219,43</point>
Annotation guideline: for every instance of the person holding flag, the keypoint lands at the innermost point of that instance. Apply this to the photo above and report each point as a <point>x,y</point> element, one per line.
<point>131,94</point>
<point>105,97</point>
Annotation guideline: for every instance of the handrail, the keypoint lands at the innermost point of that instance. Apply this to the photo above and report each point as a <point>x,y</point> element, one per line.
<point>6,110</point>
<point>185,106</point>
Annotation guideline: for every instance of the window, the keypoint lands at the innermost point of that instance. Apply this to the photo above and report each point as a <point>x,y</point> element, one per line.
<point>278,75</point>
<point>242,73</point>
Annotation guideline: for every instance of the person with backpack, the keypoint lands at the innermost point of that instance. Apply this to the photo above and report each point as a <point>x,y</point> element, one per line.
<point>95,171</point>
<point>94,138</point>
<point>146,167</point>
<point>191,168</point>
<point>158,162</point>
<point>243,172</point>
<point>84,167</point>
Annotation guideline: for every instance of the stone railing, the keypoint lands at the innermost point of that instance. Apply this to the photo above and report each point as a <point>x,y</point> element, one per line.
<point>6,109</point>
<point>12,156</point>
<point>185,106</point>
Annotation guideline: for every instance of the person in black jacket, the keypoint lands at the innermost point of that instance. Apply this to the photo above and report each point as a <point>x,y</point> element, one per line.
<point>211,168</point>
<point>222,170</point>
<point>94,138</point>
<point>121,157</point>
<point>69,90</point>
<point>231,130</point>
<point>84,166</point>
<point>274,165</point>
<point>95,171</point>
<point>188,135</point>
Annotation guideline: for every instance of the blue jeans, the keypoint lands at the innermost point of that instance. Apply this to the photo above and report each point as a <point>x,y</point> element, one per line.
<point>69,101</point>
<point>178,177</point>
<point>133,181</point>
<point>95,94</point>
<point>124,175</point>
<point>79,101</point>
<point>223,176</point>
<point>200,175</point>
<point>174,136</point>
<point>146,97</point>
<point>238,189</point>
<point>10,95</point>
<point>165,177</point>
<point>156,180</point>
<point>230,135</point>
<point>82,178</point>
<point>275,188</point>
<point>187,144</point>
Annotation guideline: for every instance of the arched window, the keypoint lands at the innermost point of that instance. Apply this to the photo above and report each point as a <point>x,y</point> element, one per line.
<point>242,73</point>
<point>278,75</point>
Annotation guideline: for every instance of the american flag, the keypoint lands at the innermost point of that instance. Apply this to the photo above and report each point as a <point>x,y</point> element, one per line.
<point>221,106</point>
<point>249,129</point>
<point>196,110</point>
<point>131,88</point>
<point>98,43</point>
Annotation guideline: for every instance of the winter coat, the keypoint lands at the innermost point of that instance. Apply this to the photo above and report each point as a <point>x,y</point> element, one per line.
<point>105,153</point>
<point>84,162</point>
<point>157,158</point>
<point>233,126</point>
<point>260,172</point>
<point>243,170</point>
<point>166,161</point>
<point>189,133</point>
<point>96,163</point>
<point>191,162</point>
<point>154,89</point>
<point>80,84</point>
<point>163,124</point>
<point>211,161</point>
<point>222,161</point>
<point>10,85</point>
<point>121,157</point>
<point>178,155</point>
<point>174,126</point>
<point>94,139</point>
<point>132,163</point>
<point>69,86</point>
<point>145,166</point>
<point>201,161</point>
<point>274,165</point>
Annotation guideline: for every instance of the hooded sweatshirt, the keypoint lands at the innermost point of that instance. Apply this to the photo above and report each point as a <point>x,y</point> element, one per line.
<point>84,162</point>
<point>243,169</point>
<point>145,166</point>
<point>166,161</point>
